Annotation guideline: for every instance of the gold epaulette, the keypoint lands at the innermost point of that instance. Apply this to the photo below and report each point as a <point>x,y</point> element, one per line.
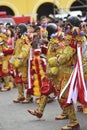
<point>25,39</point>
<point>79,34</point>
<point>81,38</point>
<point>57,38</point>
<point>68,37</point>
<point>4,37</point>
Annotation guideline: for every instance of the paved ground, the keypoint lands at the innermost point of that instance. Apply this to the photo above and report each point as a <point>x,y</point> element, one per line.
<point>15,116</point>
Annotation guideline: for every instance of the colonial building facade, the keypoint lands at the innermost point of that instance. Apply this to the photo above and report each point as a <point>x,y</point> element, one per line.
<point>36,8</point>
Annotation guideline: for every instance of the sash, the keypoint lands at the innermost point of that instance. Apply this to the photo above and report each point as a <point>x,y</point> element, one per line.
<point>29,66</point>
<point>76,82</point>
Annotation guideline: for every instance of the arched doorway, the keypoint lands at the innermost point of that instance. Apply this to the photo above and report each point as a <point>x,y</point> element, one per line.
<point>8,10</point>
<point>79,5</point>
<point>46,9</point>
